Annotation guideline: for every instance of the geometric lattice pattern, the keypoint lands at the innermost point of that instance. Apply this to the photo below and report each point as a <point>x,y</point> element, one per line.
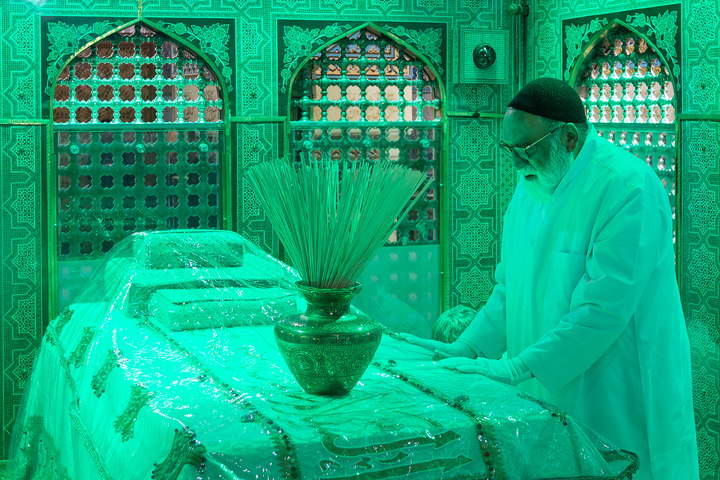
<point>703,209</point>
<point>474,189</point>
<point>704,22</point>
<point>114,183</point>
<point>475,286</point>
<point>703,269</point>
<point>23,310</point>
<point>703,147</point>
<point>473,97</point>
<point>699,282</point>
<point>474,140</point>
<point>366,97</point>
<point>704,331</point>
<point>482,186</point>
<point>629,95</point>
<point>136,76</point>
<point>139,145</point>
<point>254,145</point>
<point>623,80</point>
<point>703,85</point>
<point>21,250</point>
<point>474,238</point>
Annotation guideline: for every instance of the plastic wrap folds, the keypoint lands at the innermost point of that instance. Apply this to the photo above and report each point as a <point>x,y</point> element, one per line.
<point>166,368</point>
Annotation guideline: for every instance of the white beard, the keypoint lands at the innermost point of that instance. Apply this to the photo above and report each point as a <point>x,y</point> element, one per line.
<point>548,175</point>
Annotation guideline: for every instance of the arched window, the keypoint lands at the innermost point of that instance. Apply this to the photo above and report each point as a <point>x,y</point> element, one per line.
<point>629,95</point>
<point>366,96</point>
<point>138,125</point>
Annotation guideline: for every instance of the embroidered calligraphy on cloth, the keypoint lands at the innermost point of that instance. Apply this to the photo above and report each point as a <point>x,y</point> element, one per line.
<point>164,380</point>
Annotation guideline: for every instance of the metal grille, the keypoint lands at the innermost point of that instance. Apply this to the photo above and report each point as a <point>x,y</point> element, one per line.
<point>365,97</point>
<point>136,76</point>
<point>138,137</point>
<point>629,95</point>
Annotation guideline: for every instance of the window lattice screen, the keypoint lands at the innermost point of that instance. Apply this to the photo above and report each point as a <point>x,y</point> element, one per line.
<point>136,76</point>
<point>138,122</point>
<point>367,98</point>
<point>629,95</point>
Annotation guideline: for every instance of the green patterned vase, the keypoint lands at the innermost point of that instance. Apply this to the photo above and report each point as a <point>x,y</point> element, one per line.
<point>328,347</point>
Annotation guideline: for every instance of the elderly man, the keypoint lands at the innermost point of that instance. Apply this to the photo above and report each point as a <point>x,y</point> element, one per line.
<point>586,306</point>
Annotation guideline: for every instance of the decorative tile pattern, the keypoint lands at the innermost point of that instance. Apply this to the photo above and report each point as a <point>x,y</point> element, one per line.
<point>699,257</point>
<point>21,244</point>
<point>703,147</point>
<point>474,189</point>
<point>547,39</point>
<point>704,22</point>
<point>475,286</point>
<point>704,331</point>
<point>19,63</point>
<point>473,96</point>
<point>474,238</point>
<point>703,85</point>
<point>703,209</point>
<point>384,5</point>
<point>250,202</point>
<point>474,5</point>
<point>24,313</point>
<point>477,178</point>
<point>474,140</point>
<point>255,144</point>
<point>25,261</point>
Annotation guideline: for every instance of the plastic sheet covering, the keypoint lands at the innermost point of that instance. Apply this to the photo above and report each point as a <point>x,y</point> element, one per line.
<point>166,368</point>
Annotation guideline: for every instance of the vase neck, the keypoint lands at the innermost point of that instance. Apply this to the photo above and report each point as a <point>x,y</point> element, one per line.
<point>328,304</point>
<point>328,312</point>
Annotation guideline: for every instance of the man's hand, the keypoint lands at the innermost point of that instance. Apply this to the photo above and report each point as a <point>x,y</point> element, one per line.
<point>455,349</point>
<point>511,371</point>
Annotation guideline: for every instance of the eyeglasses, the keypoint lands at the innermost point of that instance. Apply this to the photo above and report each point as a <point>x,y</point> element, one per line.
<point>524,153</point>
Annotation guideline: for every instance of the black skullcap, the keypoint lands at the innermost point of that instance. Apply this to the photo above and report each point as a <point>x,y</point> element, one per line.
<point>550,98</point>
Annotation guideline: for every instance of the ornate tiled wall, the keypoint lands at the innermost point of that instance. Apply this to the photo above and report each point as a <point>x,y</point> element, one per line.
<point>700,251</point>
<point>22,295</point>
<point>699,129</point>
<point>254,144</point>
<point>700,232</point>
<point>21,243</point>
<point>255,56</point>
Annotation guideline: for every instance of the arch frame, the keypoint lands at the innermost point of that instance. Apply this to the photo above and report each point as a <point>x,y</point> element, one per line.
<point>444,213</point>
<point>596,37</point>
<point>51,171</point>
<point>614,23</point>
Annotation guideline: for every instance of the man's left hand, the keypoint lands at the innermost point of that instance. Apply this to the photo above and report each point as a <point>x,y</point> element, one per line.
<point>511,371</point>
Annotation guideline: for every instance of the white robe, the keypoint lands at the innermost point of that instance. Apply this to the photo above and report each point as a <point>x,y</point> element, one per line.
<point>587,297</point>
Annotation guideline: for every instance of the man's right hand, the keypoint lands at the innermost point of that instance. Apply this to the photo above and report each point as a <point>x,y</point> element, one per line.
<point>455,349</point>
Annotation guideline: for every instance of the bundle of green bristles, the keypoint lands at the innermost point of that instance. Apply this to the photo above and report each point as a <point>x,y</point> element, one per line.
<point>333,217</point>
